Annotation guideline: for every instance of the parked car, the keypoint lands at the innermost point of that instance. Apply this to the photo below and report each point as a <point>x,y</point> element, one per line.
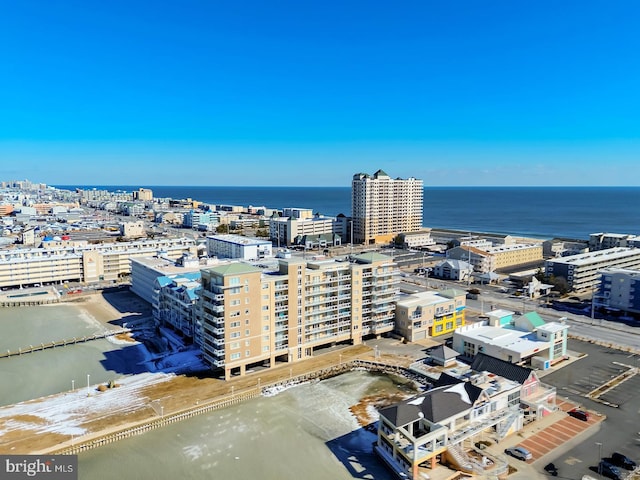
<point>609,470</point>
<point>520,453</point>
<point>579,414</point>
<point>620,460</point>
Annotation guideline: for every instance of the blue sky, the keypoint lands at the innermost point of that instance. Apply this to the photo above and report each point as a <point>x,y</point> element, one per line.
<point>309,93</point>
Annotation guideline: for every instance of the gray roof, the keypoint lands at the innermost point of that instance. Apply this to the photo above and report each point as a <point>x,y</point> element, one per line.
<point>435,405</point>
<point>444,352</point>
<point>508,370</point>
<point>446,379</point>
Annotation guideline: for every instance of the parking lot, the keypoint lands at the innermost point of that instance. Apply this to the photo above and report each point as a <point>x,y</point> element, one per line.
<point>620,404</point>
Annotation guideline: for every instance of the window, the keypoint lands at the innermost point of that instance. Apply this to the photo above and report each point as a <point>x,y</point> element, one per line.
<point>234,290</point>
<point>234,314</point>
<point>234,324</point>
<point>438,328</point>
<point>234,281</point>
<point>246,343</point>
<point>247,332</point>
<point>234,345</point>
<point>266,328</point>
<point>514,399</point>
<point>234,302</point>
<point>247,353</point>
<point>234,335</point>
<point>235,356</point>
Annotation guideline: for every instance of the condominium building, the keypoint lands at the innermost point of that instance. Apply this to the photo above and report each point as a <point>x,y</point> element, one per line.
<point>175,304</point>
<point>83,263</point>
<point>143,194</point>
<point>146,270</point>
<point>292,230</point>
<point>582,272</point>
<point>383,207</point>
<point>619,290</point>
<point>255,317</point>
<point>603,241</point>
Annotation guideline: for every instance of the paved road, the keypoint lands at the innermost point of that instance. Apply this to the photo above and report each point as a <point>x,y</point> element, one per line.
<point>615,333</point>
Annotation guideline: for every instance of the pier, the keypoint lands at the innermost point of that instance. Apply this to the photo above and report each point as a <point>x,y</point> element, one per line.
<point>63,343</point>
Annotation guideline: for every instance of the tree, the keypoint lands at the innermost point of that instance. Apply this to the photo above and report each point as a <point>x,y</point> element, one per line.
<point>560,284</point>
<point>222,228</point>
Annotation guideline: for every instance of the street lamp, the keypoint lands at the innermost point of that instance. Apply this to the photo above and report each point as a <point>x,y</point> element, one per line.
<point>88,391</point>
<point>73,385</point>
<point>599,444</point>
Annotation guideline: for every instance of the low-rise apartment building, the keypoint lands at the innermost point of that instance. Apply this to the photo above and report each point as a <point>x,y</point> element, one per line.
<point>84,263</point>
<point>490,259</point>
<point>604,241</point>
<point>417,239</point>
<point>430,314</point>
<point>582,272</point>
<point>238,247</point>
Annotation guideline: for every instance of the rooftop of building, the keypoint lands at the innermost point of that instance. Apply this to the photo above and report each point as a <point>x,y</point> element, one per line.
<point>599,255</point>
<point>165,266</point>
<point>623,271</point>
<point>233,268</point>
<point>508,338</point>
<point>238,239</point>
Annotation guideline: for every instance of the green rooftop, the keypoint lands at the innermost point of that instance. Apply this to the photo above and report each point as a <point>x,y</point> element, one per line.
<point>236,268</point>
<point>535,319</point>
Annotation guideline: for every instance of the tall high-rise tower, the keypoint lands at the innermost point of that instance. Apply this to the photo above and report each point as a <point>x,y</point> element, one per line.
<point>382,207</point>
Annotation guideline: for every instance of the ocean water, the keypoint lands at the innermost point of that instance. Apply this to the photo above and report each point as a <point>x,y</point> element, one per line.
<point>544,212</point>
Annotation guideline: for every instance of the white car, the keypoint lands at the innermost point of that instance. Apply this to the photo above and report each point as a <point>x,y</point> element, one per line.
<point>519,453</point>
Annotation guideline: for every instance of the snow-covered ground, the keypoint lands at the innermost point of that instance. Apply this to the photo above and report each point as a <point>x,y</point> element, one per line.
<point>67,413</point>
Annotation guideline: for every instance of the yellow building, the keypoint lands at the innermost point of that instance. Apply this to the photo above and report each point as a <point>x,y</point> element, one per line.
<point>430,314</point>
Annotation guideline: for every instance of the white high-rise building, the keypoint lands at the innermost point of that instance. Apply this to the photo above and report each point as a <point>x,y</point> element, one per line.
<point>382,207</point>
